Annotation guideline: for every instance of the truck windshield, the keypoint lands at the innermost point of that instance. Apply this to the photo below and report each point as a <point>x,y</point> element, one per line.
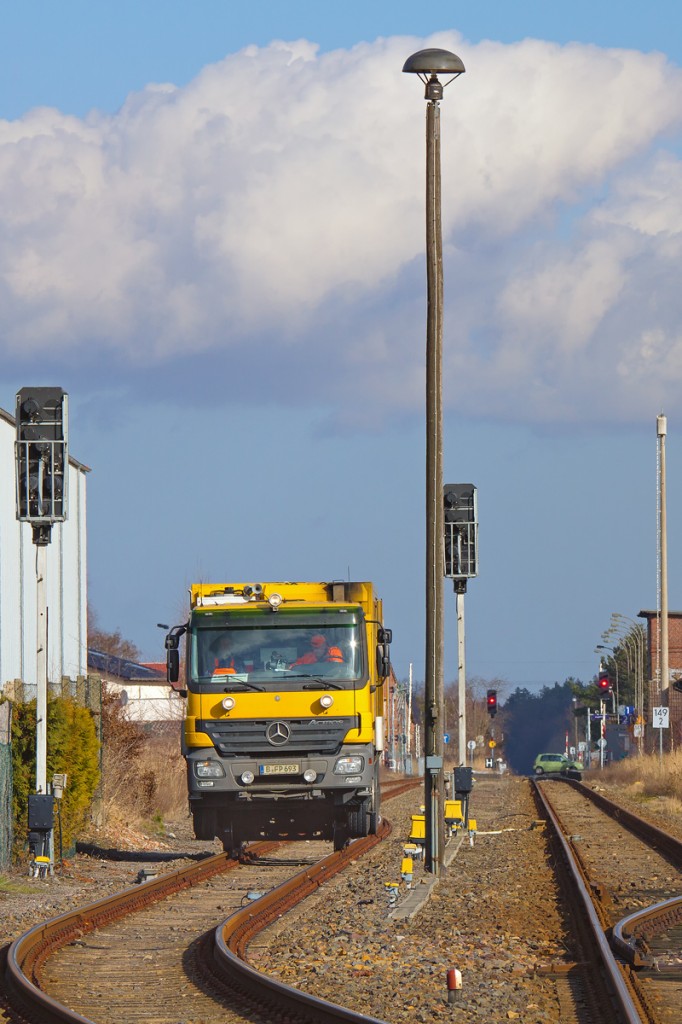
<point>279,657</point>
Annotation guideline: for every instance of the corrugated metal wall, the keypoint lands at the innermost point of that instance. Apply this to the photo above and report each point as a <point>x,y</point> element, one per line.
<point>66,579</point>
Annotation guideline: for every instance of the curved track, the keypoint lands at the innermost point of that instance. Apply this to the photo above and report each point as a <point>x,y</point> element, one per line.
<point>157,941</point>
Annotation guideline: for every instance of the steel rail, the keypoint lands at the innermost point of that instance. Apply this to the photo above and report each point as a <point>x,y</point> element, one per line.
<point>651,834</point>
<point>631,933</point>
<point>631,1013</point>
<point>26,954</point>
<point>232,937</point>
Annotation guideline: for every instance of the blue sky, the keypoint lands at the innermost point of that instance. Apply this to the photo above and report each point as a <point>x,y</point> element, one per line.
<point>212,238</point>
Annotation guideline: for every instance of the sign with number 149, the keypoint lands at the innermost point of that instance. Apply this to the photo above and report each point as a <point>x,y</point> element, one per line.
<point>661,719</point>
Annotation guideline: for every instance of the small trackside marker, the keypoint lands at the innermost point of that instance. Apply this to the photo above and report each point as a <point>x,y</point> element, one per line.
<point>454,980</point>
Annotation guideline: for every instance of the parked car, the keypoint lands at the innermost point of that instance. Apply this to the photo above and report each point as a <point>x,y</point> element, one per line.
<point>553,764</point>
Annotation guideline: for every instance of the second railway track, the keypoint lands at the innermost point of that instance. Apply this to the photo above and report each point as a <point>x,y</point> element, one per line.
<point>628,867</point>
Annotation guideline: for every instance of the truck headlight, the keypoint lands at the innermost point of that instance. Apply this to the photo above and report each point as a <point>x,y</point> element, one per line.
<point>228,703</point>
<point>349,765</point>
<point>209,770</point>
<point>326,700</point>
<point>310,775</point>
<point>247,777</point>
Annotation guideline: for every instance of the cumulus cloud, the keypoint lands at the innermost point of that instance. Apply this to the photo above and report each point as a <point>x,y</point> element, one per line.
<point>269,216</point>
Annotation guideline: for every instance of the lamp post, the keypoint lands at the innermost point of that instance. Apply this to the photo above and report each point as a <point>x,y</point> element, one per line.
<point>428,64</point>
<point>663,669</point>
<point>633,634</point>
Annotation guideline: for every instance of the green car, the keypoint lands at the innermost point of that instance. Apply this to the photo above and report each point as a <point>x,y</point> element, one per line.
<point>553,764</point>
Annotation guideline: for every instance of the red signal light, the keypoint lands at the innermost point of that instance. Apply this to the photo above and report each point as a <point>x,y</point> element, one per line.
<point>603,681</point>
<point>491,702</point>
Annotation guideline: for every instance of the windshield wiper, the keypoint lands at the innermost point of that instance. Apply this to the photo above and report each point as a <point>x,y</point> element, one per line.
<point>321,684</point>
<point>242,682</point>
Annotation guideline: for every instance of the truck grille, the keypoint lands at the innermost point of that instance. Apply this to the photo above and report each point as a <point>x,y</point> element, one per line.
<point>244,737</point>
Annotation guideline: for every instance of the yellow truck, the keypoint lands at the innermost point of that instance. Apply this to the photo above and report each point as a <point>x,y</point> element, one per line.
<point>283,729</point>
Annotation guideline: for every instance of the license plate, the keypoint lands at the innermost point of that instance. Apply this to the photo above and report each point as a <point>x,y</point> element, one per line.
<point>279,769</point>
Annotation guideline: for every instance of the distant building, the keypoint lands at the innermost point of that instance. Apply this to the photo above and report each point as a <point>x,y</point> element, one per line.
<point>67,598</point>
<point>142,689</point>
<point>669,694</point>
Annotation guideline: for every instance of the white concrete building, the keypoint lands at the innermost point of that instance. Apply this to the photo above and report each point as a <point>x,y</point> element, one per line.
<point>66,579</point>
<point>142,689</point>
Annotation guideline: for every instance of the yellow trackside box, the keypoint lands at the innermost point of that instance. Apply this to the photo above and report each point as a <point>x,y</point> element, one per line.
<point>418,830</point>
<point>285,694</point>
<point>453,811</point>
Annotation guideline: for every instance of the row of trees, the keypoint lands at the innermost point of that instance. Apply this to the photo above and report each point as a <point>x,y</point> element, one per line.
<point>527,723</point>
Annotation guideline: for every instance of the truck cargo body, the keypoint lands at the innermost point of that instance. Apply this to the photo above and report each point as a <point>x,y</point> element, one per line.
<point>284,727</point>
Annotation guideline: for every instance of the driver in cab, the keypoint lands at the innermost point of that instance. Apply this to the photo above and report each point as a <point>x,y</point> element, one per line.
<point>319,651</point>
<point>224,661</point>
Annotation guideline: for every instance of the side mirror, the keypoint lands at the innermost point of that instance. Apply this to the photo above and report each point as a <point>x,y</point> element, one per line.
<point>173,665</point>
<point>383,661</point>
<point>173,653</point>
<point>384,637</point>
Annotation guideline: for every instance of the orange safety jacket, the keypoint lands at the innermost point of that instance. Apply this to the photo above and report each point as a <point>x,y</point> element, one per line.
<point>309,658</point>
<point>224,667</point>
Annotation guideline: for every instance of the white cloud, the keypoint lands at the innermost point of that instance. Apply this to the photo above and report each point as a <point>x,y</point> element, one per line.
<point>279,195</point>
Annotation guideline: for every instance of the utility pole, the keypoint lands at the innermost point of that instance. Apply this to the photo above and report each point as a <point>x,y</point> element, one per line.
<point>428,64</point>
<point>663,662</point>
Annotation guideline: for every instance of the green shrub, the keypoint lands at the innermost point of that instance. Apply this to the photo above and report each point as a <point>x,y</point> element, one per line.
<point>72,747</point>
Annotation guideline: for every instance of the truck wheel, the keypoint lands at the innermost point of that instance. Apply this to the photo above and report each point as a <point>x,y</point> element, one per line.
<point>539,771</point>
<point>340,837</point>
<point>230,841</point>
<point>204,824</point>
<point>358,820</point>
<point>373,815</point>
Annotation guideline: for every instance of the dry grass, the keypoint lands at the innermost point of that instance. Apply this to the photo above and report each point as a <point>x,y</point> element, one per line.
<point>647,777</point>
<point>147,787</point>
<point>143,771</point>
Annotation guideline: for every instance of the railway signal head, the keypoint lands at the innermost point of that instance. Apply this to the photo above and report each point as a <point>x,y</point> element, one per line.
<point>41,455</point>
<point>603,681</point>
<point>491,702</point>
<point>460,521</point>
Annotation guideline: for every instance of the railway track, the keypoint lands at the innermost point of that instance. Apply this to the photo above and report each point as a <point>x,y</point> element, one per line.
<point>627,876</point>
<point>154,954</point>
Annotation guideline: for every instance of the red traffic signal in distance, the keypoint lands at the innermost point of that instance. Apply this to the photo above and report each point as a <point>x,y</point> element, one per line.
<point>491,702</point>
<point>603,681</point>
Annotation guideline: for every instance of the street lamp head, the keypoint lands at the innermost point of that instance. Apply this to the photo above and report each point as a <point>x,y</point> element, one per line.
<point>428,64</point>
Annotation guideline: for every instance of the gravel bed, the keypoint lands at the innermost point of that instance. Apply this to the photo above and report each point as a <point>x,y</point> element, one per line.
<point>494,916</point>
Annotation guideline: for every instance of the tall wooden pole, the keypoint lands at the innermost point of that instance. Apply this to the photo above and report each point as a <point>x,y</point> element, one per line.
<point>435,825</point>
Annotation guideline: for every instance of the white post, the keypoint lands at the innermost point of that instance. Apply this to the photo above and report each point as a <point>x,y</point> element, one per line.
<point>41,669</point>
<point>661,429</point>
<point>461,678</point>
<point>409,711</point>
